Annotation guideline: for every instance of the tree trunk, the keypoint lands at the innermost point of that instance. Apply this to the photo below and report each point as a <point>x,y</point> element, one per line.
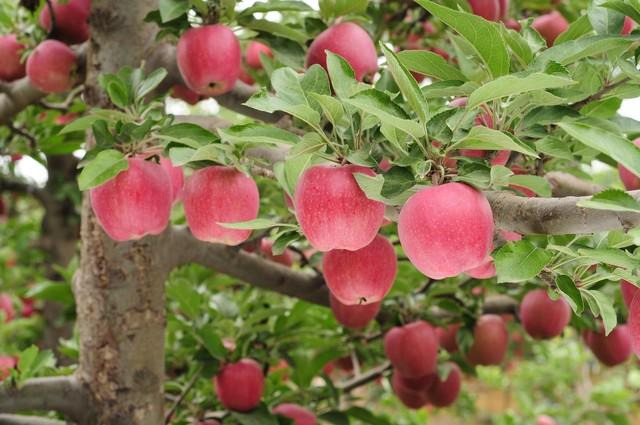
<point>119,288</point>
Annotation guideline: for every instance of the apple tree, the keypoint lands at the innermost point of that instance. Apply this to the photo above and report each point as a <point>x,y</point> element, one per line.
<point>391,188</point>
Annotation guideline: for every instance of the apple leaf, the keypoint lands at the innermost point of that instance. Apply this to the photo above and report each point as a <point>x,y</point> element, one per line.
<point>520,261</point>
<point>484,138</point>
<point>601,306</point>
<point>105,166</point>
<point>571,293</point>
<point>431,64</point>
<point>612,200</point>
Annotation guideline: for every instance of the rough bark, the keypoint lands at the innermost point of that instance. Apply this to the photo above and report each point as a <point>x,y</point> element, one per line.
<point>28,420</point>
<point>119,287</point>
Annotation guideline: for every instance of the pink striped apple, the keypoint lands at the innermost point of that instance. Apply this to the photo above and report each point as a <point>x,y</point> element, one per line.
<point>11,67</point>
<point>542,317</point>
<point>353,316</point>
<point>299,414</point>
<point>71,20</point>
<point>51,67</point>
<point>412,349</point>
<point>239,386</point>
<point>490,339</point>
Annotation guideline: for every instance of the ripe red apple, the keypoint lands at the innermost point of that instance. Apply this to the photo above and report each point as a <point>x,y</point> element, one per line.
<point>6,364</point>
<point>15,157</point>
<point>490,339</point>
<point>266,247</point>
<point>484,271</point>
<point>184,93</point>
<point>628,26</point>
<point>6,307</point>
<point>333,212</point>
<point>488,9</point>
<point>613,349</point>
<point>11,67</point>
<point>447,337</point>
<point>353,316</point>
<point>446,230</point>
<point>510,236</point>
<point>252,55</point>
<point>512,24</point>
<point>350,41</point>
<point>410,397</point>
<point>363,276</point>
<point>634,323</point>
<point>542,317</point>
<point>176,175</point>
<point>629,179</point>
<point>245,77</point>
<point>51,67</point>
<point>136,203</point>
<point>629,290</point>
<point>550,26</point>
<point>299,414</point>
<point>209,59</point>
<point>504,8</point>
<point>28,307</point>
<point>545,420</point>
<point>239,385</point>
<point>445,393</point>
<point>412,349</point>
<point>501,158</point>
<point>219,194</point>
<point>71,20</point>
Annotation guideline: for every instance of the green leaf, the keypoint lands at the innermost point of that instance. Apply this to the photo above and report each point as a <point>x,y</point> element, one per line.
<point>31,361</point>
<point>520,261</point>
<point>341,74</point>
<point>276,28</point>
<point>258,133</point>
<point>105,166</point>
<point>366,416</point>
<point>511,85</point>
<point>80,124</point>
<point>614,257</point>
<point>172,9</point>
<point>577,29</point>
<point>372,186</point>
<point>573,296</point>
<point>211,341</point>
<point>625,8</point>
<point>152,81</point>
<point>612,200</point>
<point>276,6</point>
<point>431,64</point>
<point>258,416</point>
<point>574,50</point>
<point>331,108</point>
<point>407,84</point>
<point>604,20</point>
<point>335,8</point>
<point>552,146</point>
<point>311,143</point>
<point>379,104</point>
<point>256,224</point>
<point>604,308</point>
<point>189,131</point>
<point>186,295</point>
<point>484,138</point>
<point>592,134</point>
<point>483,35</point>
<point>52,291</point>
<point>536,183</point>
<point>288,86</point>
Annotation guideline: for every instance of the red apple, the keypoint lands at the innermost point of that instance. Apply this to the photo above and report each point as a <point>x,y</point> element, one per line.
<point>490,339</point>
<point>51,67</point>
<point>542,317</point>
<point>363,276</point>
<point>6,364</point>
<point>136,203</point>
<point>184,93</point>
<point>629,179</point>
<point>71,20</point>
<point>65,119</point>
<point>512,24</point>
<point>350,41</point>
<point>353,316</point>
<point>299,414</point>
<point>510,236</point>
<point>220,194</point>
<point>545,420</point>
<point>446,230</point>
<point>266,247</point>
<point>628,26</point>
<point>410,397</point>
<point>333,212</point>
<point>484,271</point>
<point>488,9</point>
<point>6,307</point>
<point>245,77</point>
<point>28,307</point>
<point>634,323</point>
<point>550,26</point>
<point>252,55</point>
<point>240,385</point>
<point>504,8</point>
<point>11,67</point>
<point>412,349</point>
<point>445,393</point>
<point>447,337</point>
<point>613,349</point>
<point>629,290</point>
<point>209,59</point>
<point>176,175</point>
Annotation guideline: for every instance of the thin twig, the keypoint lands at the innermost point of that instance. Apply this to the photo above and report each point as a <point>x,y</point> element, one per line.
<point>365,378</point>
<point>183,395</point>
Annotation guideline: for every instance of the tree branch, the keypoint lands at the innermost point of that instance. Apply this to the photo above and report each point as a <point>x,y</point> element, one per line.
<point>565,184</point>
<point>28,420</point>
<point>364,378</point>
<point>11,185</point>
<point>64,395</point>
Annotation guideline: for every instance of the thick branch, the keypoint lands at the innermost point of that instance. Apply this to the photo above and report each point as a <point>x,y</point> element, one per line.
<point>60,394</point>
<point>365,378</point>
<point>28,420</point>
<point>565,184</point>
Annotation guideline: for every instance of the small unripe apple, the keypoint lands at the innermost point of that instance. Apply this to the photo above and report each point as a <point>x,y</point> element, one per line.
<point>209,59</point>
<point>266,247</point>
<point>488,9</point>
<point>550,26</point>
<point>612,349</point>
<point>11,67</point>
<point>252,55</point>
<point>6,308</point>
<point>411,398</point>
<point>362,276</point>
<point>184,93</point>
<point>299,414</point>
<point>239,386</point>
<point>628,26</point>
<point>545,420</point>
<point>484,271</point>
<point>350,41</point>
<point>333,212</point>
<point>176,175</point>
<point>71,20</point>
<point>51,67</point>
<point>445,393</point>
<point>447,337</point>
<point>136,203</point>
<point>629,290</point>
<point>446,230</point>
<point>219,194</point>
<point>490,339</point>
<point>542,317</point>
<point>6,364</point>
<point>412,349</point>
<point>353,316</point>
<point>629,179</point>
